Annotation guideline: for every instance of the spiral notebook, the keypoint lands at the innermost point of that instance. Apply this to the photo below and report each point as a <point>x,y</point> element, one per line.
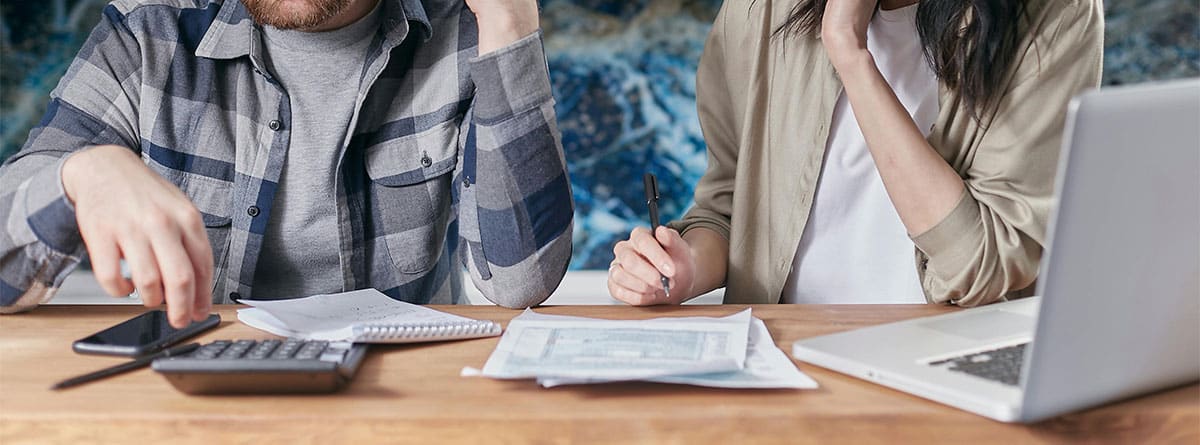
<point>362,316</point>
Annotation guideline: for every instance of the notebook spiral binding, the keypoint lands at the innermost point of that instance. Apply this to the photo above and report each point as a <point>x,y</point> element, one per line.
<point>445,331</point>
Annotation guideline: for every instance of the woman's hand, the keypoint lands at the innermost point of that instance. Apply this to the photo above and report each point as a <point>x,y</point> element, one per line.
<point>635,276</point>
<point>923,188</point>
<point>844,29</point>
<point>502,22</point>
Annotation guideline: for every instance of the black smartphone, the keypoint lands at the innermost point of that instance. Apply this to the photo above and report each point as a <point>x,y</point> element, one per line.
<point>144,334</point>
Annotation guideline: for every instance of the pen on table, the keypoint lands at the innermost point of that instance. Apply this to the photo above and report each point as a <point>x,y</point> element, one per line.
<point>125,367</point>
<point>651,184</point>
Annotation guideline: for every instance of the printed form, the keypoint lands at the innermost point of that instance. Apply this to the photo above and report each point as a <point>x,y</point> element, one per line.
<point>730,352</point>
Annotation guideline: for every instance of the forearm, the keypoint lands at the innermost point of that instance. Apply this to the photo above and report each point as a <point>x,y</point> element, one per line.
<point>516,208</point>
<point>711,253</point>
<point>524,239</point>
<point>922,186</point>
<point>39,242</point>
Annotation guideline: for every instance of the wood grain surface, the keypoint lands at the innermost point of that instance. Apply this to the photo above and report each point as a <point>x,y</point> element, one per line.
<point>414,394</point>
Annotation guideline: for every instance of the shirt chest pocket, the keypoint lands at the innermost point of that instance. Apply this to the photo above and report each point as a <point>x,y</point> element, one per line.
<point>410,196</point>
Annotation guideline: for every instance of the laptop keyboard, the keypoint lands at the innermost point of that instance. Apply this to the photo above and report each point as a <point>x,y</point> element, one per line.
<point>1002,365</point>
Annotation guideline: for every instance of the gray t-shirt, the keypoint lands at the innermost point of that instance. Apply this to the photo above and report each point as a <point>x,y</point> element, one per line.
<point>320,72</point>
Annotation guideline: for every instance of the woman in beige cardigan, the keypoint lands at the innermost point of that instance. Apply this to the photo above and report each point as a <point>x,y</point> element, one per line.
<point>963,159</point>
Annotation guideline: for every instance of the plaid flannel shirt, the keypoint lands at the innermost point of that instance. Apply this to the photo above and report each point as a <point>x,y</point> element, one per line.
<point>434,164</point>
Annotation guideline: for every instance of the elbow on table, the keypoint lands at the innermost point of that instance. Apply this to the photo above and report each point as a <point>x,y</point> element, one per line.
<point>523,290</point>
<point>520,297</point>
<point>532,281</point>
<point>14,301</point>
<point>986,285</point>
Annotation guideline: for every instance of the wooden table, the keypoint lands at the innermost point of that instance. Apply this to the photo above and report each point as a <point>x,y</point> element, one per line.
<point>413,393</point>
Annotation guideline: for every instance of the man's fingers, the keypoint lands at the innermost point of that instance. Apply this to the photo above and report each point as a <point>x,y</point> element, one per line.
<point>144,269</point>
<point>178,275</point>
<point>106,265</point>
<point>198,250</point>
<point>648,247</point>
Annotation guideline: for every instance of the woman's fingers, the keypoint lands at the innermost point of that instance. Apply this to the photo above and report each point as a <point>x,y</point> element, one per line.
<point>637,265</point>
<point>641,261</point>
<point>671,241</point>
<point>632,297</point>
<point>619,275</point>
<point>649,248</point>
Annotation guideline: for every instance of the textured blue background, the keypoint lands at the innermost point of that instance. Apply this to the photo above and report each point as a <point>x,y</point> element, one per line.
<point>623,73</point>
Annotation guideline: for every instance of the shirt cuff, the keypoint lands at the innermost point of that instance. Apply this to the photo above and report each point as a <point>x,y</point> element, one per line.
<point>50,215</point>
<point>950,244</point>
<point>511,80</point>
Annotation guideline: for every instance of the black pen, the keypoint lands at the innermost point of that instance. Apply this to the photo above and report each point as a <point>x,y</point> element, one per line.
<point>651,184</point>
<point>125,367</point>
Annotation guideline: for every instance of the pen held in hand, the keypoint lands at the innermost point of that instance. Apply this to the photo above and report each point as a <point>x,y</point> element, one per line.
<point>125,367</point>
<point>651,184</point>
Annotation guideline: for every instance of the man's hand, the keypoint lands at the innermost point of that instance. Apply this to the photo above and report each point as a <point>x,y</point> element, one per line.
<point>125,210</point>
<point>502,22</point>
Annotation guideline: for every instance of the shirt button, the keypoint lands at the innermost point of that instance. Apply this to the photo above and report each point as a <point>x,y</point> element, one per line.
<point>426,162</point>
<point>274,125</point>
<point>252,211</point>
<point>234,296</point>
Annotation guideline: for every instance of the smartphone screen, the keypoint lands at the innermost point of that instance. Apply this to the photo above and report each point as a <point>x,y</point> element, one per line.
<point>143,334</point>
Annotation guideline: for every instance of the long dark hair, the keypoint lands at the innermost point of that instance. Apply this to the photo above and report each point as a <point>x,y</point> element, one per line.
<point>970,44</point>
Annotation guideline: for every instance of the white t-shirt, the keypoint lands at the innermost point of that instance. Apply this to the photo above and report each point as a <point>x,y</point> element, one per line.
<point>854,248</point>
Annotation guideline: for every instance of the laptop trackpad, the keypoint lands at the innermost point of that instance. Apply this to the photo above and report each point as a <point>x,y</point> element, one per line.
<point>983,325</point>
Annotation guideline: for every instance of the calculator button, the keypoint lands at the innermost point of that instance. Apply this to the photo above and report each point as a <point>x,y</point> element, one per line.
<point>237,349</point>
<point>311,350</point>
<point>286,350</point>
<point>263,349</point>
<point>211,350</point>
<point>332,355</point>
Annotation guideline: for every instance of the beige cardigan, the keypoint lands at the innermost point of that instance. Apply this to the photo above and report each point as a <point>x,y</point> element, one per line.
<point>766,104</point>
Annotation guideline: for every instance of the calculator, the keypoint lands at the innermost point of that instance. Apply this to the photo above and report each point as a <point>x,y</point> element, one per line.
<point>278,366</point>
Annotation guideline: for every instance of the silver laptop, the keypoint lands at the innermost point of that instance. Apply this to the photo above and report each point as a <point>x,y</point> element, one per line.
<point>1119,312</point>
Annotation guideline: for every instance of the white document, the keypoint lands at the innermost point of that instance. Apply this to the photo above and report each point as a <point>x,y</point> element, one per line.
<point>543,346</point>
<point>766,367</point>
<point>342,316</point>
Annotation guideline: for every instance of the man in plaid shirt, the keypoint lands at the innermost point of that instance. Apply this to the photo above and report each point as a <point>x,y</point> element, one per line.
<point>230,149</point>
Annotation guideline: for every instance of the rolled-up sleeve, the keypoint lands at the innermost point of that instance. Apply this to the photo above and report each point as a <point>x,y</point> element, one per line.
<point>93,104</point>
<point>990,244</point>
<point>515,209</point>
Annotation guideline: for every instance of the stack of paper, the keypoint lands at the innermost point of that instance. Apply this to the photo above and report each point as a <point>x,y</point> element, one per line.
<point>728,352</point>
